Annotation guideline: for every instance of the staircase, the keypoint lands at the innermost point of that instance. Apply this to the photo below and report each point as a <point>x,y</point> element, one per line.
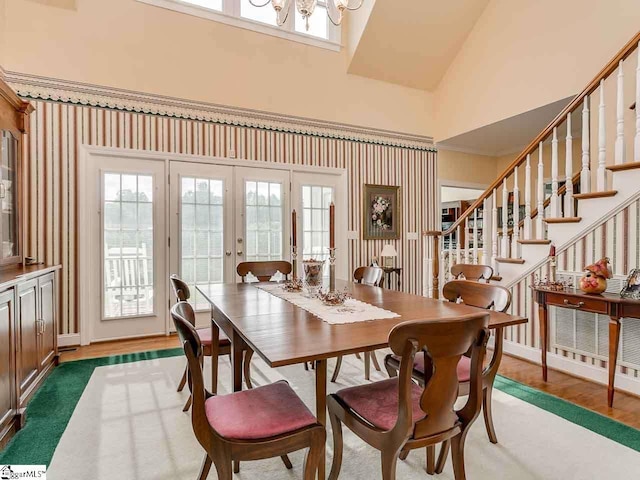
<point>583,168</point>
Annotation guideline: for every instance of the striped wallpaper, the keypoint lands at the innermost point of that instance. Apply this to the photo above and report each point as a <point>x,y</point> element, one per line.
<point>619,239</point>
<point>58,128</point>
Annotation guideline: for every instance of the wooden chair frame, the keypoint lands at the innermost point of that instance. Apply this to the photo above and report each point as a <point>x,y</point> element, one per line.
<point>484,296</point>
<point>226,453</point>
<point>443,343</point>
<point>473,273</point>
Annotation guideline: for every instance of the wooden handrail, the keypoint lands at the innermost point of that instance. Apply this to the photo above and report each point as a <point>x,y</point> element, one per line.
<point>573,105</point>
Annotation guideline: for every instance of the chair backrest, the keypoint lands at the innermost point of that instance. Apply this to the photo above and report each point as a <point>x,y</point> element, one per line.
<point>180,288</point>
<point>368,275</point>
<point>476,294</point>
<point>443,343</point>
<point>473,273</point>
<point>263,271</point>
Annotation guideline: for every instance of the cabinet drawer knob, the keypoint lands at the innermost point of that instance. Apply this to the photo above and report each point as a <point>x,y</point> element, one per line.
<point>568,304</point>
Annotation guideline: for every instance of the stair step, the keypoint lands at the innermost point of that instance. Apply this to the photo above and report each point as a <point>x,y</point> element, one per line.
<point>585,196</point>
<point>624,166</point>
<point>518,261</point>
<point>496,278</point>
<point>563,220</point>
<point>534,242</point>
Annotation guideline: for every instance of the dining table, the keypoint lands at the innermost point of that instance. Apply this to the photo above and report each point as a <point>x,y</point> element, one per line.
<point>282,333</point>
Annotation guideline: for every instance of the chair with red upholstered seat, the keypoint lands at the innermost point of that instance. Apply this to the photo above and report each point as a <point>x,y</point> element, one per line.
<point>479,295</point>
<point>263,422</point>
<point>397,415</point>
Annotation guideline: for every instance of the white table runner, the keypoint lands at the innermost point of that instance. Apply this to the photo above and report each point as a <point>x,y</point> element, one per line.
<point>352,311</point>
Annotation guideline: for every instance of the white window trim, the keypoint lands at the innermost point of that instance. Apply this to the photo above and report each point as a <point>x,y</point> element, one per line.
<point>231,16</point>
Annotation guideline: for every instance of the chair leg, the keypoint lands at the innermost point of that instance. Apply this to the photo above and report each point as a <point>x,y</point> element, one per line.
<point>336,371</point>
<point>392,372</point>
<point>286,461</point>
<point>389,461</point>
<point>306,366</point>
<point>224,469</point>
<point>247,368</point>
<point>442,459</point>
<point>314,454</point>
<point>183,380</point>
<point>431,459</point>
<point>204,469</point>
<point>338,445</point>
<point>374,359</point>
<point>404,454</point>
<point>487,401</point>
<point>457,456</point>
<point>367,365</point>
<point>358,356</point>
<point>236,466</point>
<point>187,405</point>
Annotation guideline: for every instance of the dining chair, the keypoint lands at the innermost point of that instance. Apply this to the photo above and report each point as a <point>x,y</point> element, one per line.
<point>481,295</point>
<point>473,273</point>
<point>397,415</point>
<point>182,292</point>
<point>263,271</point>
<point>371,276</point>
<point>264,422</point>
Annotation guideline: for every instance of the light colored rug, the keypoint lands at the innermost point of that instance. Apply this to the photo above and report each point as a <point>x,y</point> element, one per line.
<point>129,425</point>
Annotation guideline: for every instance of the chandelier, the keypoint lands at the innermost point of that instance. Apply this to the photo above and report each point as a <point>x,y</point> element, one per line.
<point>335,9</point>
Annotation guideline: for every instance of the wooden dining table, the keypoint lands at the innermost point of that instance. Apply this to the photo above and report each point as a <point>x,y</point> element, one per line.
<point>283,334</point>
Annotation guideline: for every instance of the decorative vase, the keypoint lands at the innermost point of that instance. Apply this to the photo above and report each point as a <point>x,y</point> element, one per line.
<point>592,283</point>
<point>313,275</point>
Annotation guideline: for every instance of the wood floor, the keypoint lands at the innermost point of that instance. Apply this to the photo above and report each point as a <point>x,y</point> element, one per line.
<point>575,390</point>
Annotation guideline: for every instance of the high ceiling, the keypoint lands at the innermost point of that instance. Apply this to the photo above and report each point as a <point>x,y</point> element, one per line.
<point>413,42</point>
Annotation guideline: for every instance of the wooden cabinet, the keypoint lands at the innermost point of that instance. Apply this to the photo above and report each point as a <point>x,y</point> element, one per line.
<point>28,339</point>
<point>8,401</point>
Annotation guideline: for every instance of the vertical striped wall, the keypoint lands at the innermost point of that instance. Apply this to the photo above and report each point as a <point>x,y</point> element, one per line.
<point>619,239</point>
<point>52,154</point>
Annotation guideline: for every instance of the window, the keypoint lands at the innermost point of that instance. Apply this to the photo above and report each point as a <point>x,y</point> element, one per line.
<point>241,13</point>
<point>127,245</point>
<point>263,203</point>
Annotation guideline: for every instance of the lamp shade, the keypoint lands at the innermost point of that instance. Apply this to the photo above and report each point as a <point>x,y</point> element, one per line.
<point>389,251</point>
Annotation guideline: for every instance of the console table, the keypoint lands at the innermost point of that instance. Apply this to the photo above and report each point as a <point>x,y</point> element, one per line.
<point>605,304</point>
<point>387,272</point>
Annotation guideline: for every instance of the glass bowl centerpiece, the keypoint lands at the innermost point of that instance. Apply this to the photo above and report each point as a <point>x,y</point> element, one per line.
<point>313,275</point>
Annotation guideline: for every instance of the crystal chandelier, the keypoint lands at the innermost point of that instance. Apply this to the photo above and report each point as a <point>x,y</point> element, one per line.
<point>335,9</point>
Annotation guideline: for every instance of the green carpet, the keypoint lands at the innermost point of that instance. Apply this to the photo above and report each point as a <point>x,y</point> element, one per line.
<point>52,406</point>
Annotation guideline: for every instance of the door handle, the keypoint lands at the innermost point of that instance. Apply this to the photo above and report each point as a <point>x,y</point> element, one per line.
<point>228,253</point>
<point>239,253</point>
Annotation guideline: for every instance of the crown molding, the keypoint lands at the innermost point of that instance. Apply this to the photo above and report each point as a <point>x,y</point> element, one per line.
<point>64,91</point>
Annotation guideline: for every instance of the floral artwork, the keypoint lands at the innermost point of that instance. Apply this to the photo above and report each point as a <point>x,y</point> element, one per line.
<point>381,213</point>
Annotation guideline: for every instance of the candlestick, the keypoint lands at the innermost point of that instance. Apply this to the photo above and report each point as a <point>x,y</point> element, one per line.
<point>294,247</point>
<point>332,269</point>
<point>332,225</point>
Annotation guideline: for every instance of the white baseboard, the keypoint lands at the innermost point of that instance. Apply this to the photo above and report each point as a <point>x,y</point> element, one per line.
<point>573,367</point>
<point>68,340</point>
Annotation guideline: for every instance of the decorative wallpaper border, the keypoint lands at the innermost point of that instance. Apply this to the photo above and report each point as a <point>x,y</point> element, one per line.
<point>37,87</point>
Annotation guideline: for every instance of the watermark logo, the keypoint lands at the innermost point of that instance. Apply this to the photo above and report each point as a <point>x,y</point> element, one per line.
<point>12,472</point>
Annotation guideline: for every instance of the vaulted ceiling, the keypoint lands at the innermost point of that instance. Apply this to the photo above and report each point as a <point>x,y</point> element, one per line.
<point>412,42</point>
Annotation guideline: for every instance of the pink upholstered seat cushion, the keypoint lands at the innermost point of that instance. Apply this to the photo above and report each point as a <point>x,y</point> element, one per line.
<point>377,402</point>
<point>262,412</point>
<point>205,336</point>
<point>464,366</point>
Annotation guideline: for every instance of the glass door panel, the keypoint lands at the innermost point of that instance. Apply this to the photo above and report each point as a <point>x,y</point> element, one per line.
<point>9,226</point>
<point>315,222</point>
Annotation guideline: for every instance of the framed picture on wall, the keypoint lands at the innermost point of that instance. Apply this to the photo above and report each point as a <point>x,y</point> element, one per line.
<point>381,212</point>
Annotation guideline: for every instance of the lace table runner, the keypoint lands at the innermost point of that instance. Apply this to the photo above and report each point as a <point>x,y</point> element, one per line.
<point>352,311</point>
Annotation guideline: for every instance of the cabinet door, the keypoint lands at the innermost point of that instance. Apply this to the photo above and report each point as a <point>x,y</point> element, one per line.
<point>7,366</point>
<point>27,331</point>
<point>47,309</point>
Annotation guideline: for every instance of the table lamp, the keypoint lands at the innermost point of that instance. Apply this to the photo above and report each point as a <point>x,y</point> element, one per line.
<point>388,253</point>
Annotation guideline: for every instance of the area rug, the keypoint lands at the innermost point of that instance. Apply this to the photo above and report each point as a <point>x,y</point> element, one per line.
<point>120,417</point>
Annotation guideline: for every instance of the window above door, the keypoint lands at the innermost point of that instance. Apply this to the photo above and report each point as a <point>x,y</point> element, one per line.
<point>241,13</point>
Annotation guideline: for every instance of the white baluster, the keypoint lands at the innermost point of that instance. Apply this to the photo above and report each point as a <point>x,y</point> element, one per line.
<point>540,199</point>
<point>619,147</point>
<point>636,145</point>
<point>485,230</point>
<point>494,232</point>
<point>601,176</point>
<point>475,236</point>
<point>568,171</point>
<point>585,174</point>
<point>467,250</point>
<point>515,250</point>
<point>554,211</point>
<point>458,244</point>
<point>527,199</point>
<point>450,251</point>
<point>504,253</point>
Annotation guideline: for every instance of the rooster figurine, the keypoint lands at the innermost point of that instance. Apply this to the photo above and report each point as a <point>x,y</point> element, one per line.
<point>595,280</point>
